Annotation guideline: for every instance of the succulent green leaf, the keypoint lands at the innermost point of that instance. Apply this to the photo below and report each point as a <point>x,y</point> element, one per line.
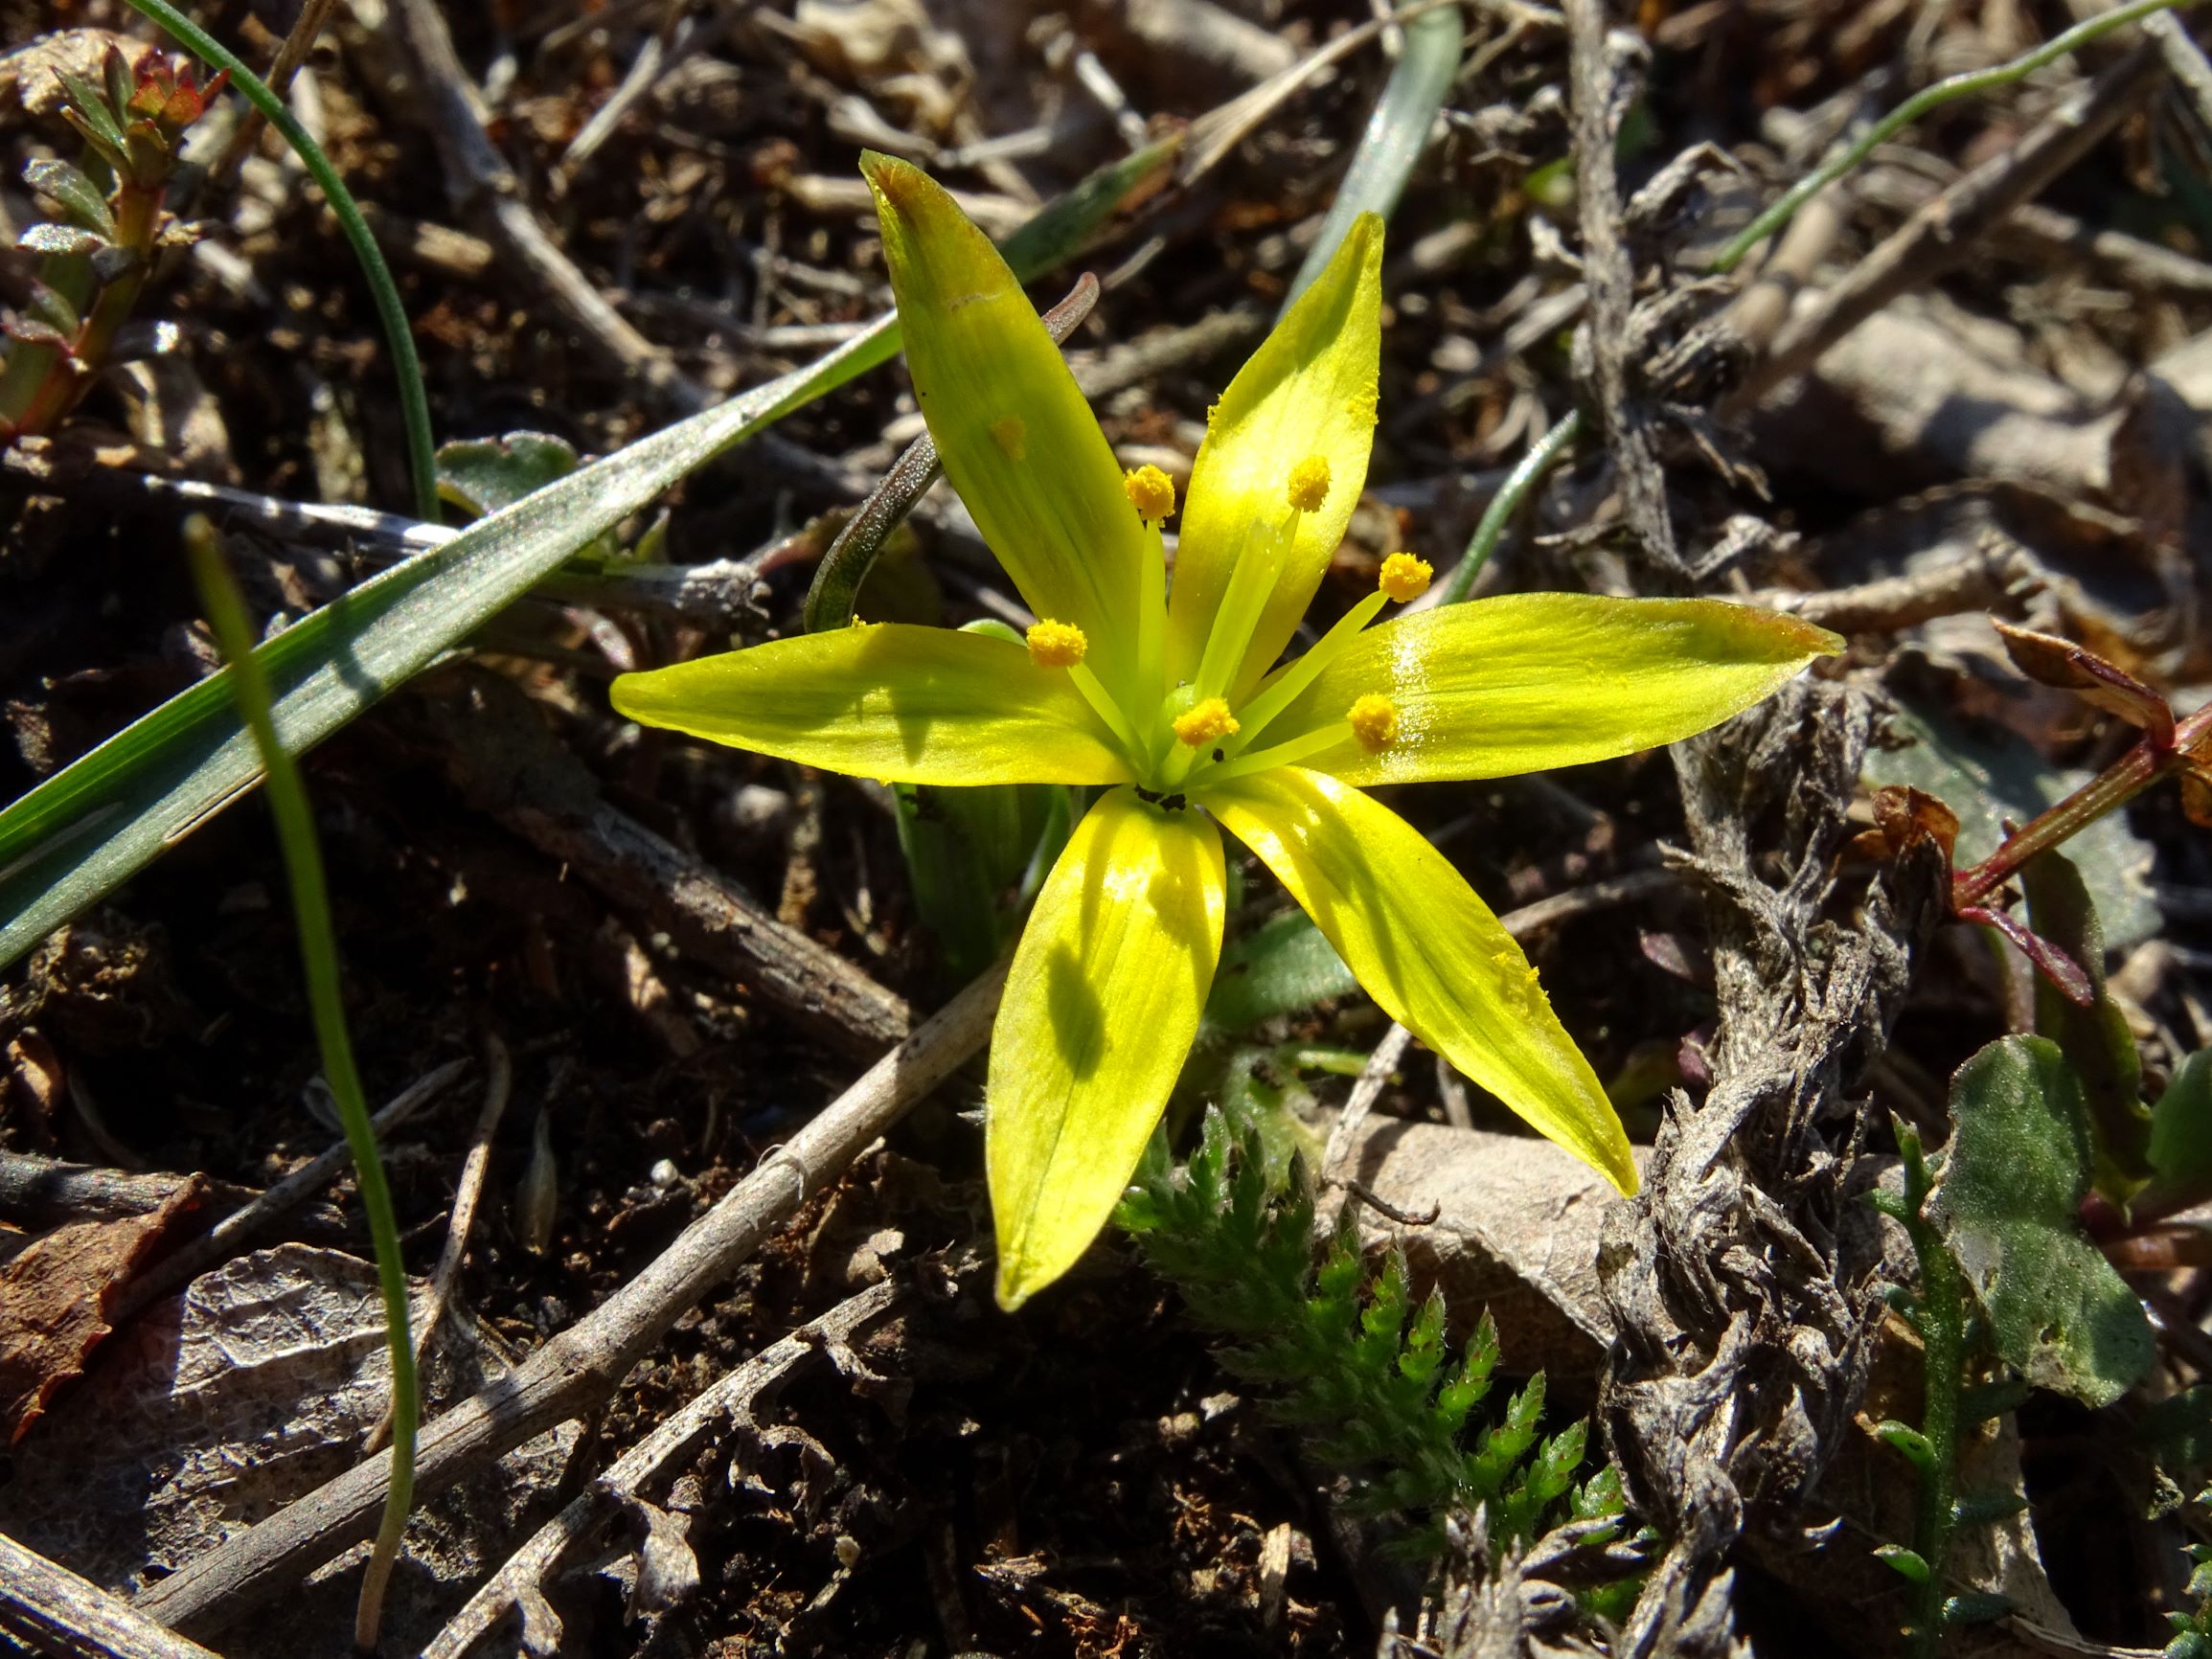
<point>2182,1130</point>
<point>1284,965</point>
<point>1906,1441</point>
<point>61,242</point>
<point>1976,1607</point>
<point>89,112</point>
<point>2008,1204</point>
<point>81,200</point>
<point>480,475</point>
<point>1905,1563</point>
<point>2095,1040</point>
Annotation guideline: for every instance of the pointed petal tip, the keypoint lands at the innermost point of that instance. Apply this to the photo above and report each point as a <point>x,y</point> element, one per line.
<point>1622,1173</point>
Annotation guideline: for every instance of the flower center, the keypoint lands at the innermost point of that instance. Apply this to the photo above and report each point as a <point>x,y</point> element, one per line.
<point>1192,735</point>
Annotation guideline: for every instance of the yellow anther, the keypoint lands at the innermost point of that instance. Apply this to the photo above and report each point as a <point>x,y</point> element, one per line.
<point>1152,492</point>
<point>1056,645</point>
<point>1010,436</point>
<point>1310,483</point>
<point>1360,406</point>
<point>1205,721</point>
<point>1374,722</point>
<point>1404,577</point>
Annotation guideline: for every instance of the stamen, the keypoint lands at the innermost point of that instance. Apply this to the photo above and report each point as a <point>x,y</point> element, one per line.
<point>1308,485</point>
<point>1102,705</point>
<point>1404,577</point>
<point>1010,436</point>
<point>1152,492</point>
<point>1374,721</point>
<point>1277,693</point>
<point>1203,722</point>
<point>1056,645</point>
<point>1252,579</point>
<point>1284,754</point>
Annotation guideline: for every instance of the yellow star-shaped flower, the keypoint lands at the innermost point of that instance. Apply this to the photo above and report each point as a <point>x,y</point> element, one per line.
<point>1179,706</point>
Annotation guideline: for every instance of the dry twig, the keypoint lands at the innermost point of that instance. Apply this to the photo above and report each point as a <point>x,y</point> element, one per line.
<point>582,1364</point>
<point>729,1403</point>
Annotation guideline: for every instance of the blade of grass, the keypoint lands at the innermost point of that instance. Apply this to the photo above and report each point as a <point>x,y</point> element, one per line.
<point>398,336</point>
<point>1523,478</point>
<point>1957,86</point>
<point>319,963</point>
<point>1397,133</point>
<point>100,820</point>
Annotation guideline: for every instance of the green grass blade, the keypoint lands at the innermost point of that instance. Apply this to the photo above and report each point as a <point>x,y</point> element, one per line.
<point>91,826</point>
<point>1397,133</point>
<point>398,336</point>
<point>319,963</point>
<point>1964,85</point>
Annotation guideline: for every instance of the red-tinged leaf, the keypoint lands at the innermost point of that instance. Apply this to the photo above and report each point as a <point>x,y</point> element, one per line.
<point>2052,661</point>
<point>54,1297</point>
<point>2052,962</point>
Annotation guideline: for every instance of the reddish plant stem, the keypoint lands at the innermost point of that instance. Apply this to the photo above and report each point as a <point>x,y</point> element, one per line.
<point>2110,789</point>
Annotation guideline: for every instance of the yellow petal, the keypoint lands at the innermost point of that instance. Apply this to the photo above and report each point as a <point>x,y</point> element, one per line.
<point>1531,680</point>
<point>1307,393</point>
<point>1015,436</point>
<point>909,705</point>
<point>1427,950</point>
<point>1101,1006</point>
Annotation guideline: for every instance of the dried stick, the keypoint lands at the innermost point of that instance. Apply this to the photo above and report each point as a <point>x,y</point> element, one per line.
<point>306,29</point>
<point>731,1401</point>
<point>507,763</point>
<point>1610,275</point>
<point>583,1364</point>
<point>221,1240</point>
<point>1944,233</point>
<point>468,1192</point>
<point>54,1611</point>
<point>485,189</point>
<point>1741,1306</point>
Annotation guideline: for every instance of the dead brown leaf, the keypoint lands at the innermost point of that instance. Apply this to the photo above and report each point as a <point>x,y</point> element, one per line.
<point>54,1297</point>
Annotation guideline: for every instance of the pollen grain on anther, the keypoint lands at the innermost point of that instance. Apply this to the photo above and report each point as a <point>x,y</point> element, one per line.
<point>1152,492</point>
<point>1056,645</point>
<point>1309,483</point>
<point>1404,577</point>
<point>1374,721</point>
<point>1205,721</point>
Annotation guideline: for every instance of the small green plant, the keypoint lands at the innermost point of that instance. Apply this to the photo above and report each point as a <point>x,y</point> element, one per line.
<point>110,219</point>
<point>1345,1357</point>
<point>319,967</point>
<point>2193,1632</point>
<point>1952,1405</point>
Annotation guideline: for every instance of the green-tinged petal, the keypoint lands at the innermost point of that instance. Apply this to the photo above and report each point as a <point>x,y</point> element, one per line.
<point>1427,950</point>
<point>1531,680</point>
<point>1101,1006</point>
<point>909,705</point>
<point>1015,436</point>
<point>1308,390</point>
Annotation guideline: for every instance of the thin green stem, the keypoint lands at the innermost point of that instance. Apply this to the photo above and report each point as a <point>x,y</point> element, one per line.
<point>319,962</point>
<point>1918,105</point>
<point>1943,1334</point>
<point>398,336</point>
<point>1523,478</point>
